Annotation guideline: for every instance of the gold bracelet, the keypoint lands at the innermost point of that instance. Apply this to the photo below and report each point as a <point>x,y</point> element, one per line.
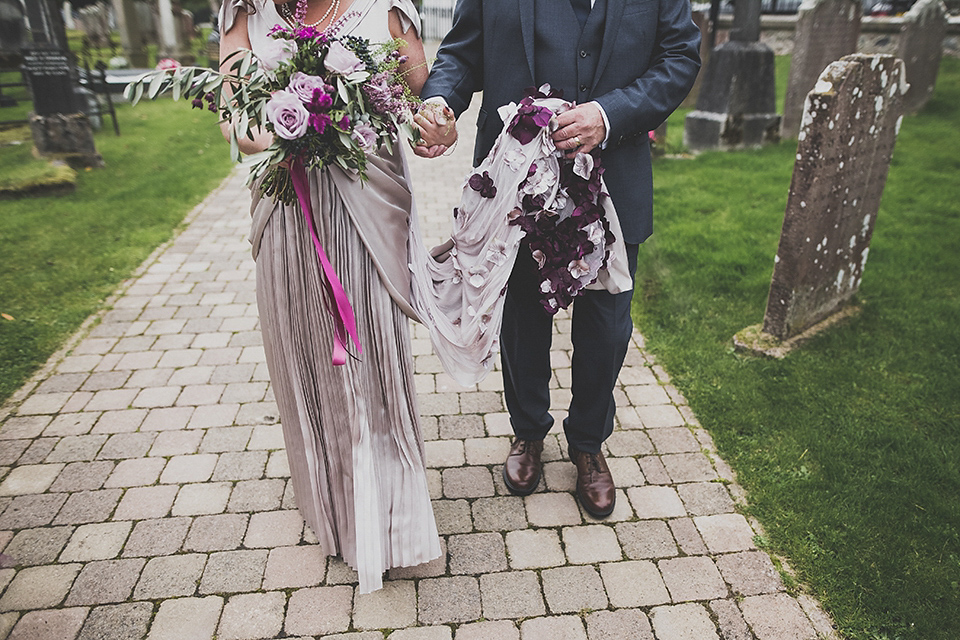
<point>452,147</point>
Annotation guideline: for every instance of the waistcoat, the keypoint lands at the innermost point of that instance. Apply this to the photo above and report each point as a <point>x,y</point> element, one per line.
<point>566,56</point>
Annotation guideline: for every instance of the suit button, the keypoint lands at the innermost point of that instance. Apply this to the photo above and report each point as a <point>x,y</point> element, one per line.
<point>583,88</point>
<point>583,54</point>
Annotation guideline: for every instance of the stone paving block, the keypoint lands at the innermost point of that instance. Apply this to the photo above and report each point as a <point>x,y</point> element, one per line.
<point>214,415</point>
<point>291,567</point>
<point>555,627</point>
<point>105,582</point>
<point>156,396</point>
<point>216,533</point>
<point>422,633</point>
<point>430,569</point>
<point>656,502</point>
<point>467,482</point>
<point>240,465</point>
<point>460,427</point>
<point>21,427</point>
<point>626,472</point>
<point>188,377</point>
<point>513,594</point>
<point>534,549</point>
<point>38,451</point>
<point>749,573</point>
<point>434,404</point>
<point>39,587</point>
<point>705,498</point>
<point>498,424</point>
<point>392,607</point>
<point>167,418</point>
<point>126,445</point>
<point>730,620</point>
<point>223,439</point>
<point>278,466</point>
<point>11,450</point>
<point>488,630</point>
<point>74,448</point>
<point>446,600</point>
<point>31,478</point>
<point>200,499</point>
<point>619,625</point>
<point>251,616</point>
<point>176,443</point>
<point>257,495</point>
<point>692,578</point>
<point>444,453</point>
<point>687,536</point>
<point>274,529</point>
<point>233,571</point>
<point>628,443</point>
<point>573,589</point>
<point>688,467</point>
<point>170,576</point>
<point>480,402</point>
<point>552,509</point>
<point>120,421</point>
<point>821,622</point>
<point>140,503</point>
<point>57,624</point>
<point>486,450</point>
<point>266,436</point>
<point>633,583</point>
<point>45,403</point>
<point>559,476</point>
<point>319,610</point>
<point>452,516</point>
<point>476,553</point>
<point>158,537</point>
<point>32,510</point>
<point>725,532</point>
<point>88,506</point>
<point>111,399</point>
<point>499,514</point>
<point>127,621</point>
<point>658,416</point>
<point>136,472</point>
<point>591,544</point>
<point>82,476</point>
<point>777,617</point>
<point>179,618</point>
<point>71,424</point>
<point>646,539</point>
<point>644,394</point>
<point>37,546</point>
<point>674,440</point>
<point>338,572</point>
<point>191,468</point>
<point>683,622</point>
<point>99,541</point>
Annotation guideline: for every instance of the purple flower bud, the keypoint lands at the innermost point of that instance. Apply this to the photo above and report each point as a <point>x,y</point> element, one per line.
<point>197,103</point>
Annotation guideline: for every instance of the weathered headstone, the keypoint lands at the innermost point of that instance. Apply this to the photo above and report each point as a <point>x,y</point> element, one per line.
<point>826,31</point>
<point>921,46</point>
<point>130,35</point>
<point>703,23</point>
<point>169,41</point>
<point>12,27</point>
<point>48,74</point>
<point>736,106</point>
<point>846,139</point>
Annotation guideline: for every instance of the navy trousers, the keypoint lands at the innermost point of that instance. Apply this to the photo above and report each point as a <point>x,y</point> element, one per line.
<point>601,333</point>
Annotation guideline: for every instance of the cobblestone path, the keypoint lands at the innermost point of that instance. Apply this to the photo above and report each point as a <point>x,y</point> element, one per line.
<point>144,489</point>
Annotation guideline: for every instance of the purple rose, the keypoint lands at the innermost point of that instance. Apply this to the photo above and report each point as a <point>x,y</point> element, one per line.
<point>287,115</point>
<point>274,52</point>
<point>365,136</point>
<point>341,60</point>
<point>304,85</point>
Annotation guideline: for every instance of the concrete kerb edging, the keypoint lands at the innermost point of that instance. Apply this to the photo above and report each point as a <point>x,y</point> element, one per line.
<point>94,319</point>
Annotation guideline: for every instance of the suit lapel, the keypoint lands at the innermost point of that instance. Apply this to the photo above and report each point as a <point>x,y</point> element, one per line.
<point>611,25</point>
<point>527,29</point>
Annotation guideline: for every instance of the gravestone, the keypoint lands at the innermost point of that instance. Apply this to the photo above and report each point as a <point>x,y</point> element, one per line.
<point>131,38</point>
<point>702,21</point>
<point>846,139</point>
<point>12,27</point>
<point>736,106</point>
<point>826,31</point>
<point>48,74</point>
<point>921,46</point>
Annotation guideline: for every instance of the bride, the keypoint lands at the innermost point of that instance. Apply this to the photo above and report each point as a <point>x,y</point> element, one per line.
<point>352,432</point>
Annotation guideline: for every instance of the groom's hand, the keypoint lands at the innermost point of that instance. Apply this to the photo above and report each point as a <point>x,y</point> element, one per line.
<point>437,126</point>
<point>580,129</point>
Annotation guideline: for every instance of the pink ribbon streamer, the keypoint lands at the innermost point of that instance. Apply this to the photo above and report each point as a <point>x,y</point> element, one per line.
<point>335,298</point>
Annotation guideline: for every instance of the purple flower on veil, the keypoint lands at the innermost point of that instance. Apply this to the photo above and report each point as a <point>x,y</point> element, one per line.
<point>483,184</point>
<point>529,121</point>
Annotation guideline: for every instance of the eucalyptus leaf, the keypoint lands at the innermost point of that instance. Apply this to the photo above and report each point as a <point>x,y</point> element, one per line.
<point>155,84</point>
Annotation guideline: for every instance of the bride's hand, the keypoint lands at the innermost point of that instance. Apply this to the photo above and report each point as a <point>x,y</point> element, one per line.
<point>437,127</point>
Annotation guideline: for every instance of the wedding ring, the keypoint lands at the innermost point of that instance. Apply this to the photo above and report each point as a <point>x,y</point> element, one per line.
<point>576,142</point>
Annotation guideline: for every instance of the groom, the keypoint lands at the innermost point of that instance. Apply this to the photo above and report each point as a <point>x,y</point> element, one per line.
<point>627,64</point>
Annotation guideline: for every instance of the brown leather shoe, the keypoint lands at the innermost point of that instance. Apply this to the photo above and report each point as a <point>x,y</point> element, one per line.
<point>521,471</point>
<point>595,488</point>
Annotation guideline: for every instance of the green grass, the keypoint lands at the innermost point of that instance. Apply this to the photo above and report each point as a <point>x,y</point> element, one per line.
<point>849,448</point>
<point>21,172</point>
<point>63,255</point>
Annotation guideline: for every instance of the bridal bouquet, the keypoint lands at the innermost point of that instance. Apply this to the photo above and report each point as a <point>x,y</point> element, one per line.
<point>329,101</point>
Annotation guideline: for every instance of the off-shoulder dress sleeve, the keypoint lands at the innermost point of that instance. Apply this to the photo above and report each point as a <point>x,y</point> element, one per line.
<point>409,16</point>
<point>228,14</point>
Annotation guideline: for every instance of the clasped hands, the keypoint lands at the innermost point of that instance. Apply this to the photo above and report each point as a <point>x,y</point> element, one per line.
<point>579,130</point>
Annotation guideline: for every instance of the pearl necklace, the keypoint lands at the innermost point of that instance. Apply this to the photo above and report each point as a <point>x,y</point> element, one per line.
<point>288,15</point>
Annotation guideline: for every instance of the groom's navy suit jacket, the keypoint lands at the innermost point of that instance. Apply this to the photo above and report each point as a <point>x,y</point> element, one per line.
<point>636,58</point>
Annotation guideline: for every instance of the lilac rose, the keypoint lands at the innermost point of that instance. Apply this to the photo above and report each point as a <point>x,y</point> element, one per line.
<point>365,136</point>
<point>303,85</point>
<point>341,60</point>
<point>287,115</point>
<point>274,52</point>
